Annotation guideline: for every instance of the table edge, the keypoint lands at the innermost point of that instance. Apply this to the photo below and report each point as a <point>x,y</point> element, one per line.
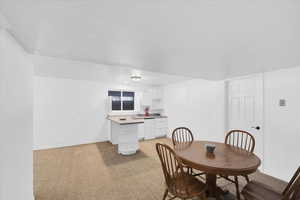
<point>217,170</point>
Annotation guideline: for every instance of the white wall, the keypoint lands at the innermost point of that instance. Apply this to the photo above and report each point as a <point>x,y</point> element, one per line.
<point>16,105</point>
<point>199,105</point>
<point>3,22</point>
<point>282,124</point>
<point>70,112</point>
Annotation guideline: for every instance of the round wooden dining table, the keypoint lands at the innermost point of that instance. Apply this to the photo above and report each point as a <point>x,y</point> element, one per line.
<point>226,160</point>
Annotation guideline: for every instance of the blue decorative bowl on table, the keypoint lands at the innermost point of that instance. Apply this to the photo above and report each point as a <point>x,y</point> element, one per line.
<point>210,148</point>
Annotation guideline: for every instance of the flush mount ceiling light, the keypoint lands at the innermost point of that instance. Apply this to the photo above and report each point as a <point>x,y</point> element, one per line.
<point>136,77</point>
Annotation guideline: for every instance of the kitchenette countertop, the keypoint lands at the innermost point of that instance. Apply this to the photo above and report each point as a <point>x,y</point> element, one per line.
<point>132,119</point>
<point>149,117</point>
<point>128,120</point>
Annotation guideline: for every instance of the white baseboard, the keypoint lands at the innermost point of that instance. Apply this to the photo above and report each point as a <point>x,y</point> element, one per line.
<point>269,173</point>
<point>44,147</point>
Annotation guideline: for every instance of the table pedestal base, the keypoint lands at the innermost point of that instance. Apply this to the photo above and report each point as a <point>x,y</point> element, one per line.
<point>213,190</point>
<point>211,182</point>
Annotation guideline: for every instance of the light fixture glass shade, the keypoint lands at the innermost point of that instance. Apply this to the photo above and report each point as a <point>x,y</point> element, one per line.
<point>136,78</point>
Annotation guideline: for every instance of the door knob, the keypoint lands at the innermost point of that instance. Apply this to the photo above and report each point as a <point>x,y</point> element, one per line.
<point>256,127</point>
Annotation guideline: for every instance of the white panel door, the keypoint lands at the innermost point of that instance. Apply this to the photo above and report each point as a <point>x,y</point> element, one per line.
<point>245,108</point>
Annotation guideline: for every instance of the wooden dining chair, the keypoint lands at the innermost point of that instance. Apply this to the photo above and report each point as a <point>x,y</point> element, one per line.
<point>260,191</point>
<point>243,140</point>
<point>180,183</point>
<point>182,135</point>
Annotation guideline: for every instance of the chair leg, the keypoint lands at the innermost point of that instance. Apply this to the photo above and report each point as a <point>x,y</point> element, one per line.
<point>203,196</point>
<point>236,180</point>
<point>165,194</point>
<point>247,178</point>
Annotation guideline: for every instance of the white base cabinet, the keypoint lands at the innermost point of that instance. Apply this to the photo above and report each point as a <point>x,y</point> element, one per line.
<point>149,129</point>
<point>126,137</point>
<point>161,127</point>
<point>154,128</point>
<point>141,134</point>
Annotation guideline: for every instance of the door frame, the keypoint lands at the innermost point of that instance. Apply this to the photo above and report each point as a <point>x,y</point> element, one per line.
<point>226,119</point>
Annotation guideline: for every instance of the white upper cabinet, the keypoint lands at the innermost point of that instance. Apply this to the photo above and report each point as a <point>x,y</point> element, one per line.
<point>152,96</point>
<point>146,99</point>
<point>157,93</point>
<point>157,100</point>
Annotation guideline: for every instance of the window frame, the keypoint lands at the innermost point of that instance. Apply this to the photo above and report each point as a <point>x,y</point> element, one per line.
<point>122,111</point>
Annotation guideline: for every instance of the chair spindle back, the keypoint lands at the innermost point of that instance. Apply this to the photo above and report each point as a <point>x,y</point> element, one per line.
<point>182,135</point>
<point>292,190</point>
<point>240,139</point>
<point>172,169</point>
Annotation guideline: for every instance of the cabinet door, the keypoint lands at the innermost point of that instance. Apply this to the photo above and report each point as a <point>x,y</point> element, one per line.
<point>141,131</point>
<point>161,132</point>
<point>157,93</point>
<point>147,98</point>
<point>114,130</point>
<point>150,130</point>
<point>161,127</point>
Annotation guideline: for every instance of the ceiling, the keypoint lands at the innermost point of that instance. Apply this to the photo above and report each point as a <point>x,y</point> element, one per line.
<point>211,39</point>
<point>78,70</point>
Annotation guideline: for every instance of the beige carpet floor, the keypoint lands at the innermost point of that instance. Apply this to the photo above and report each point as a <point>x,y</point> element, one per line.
<point>97,172</point>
